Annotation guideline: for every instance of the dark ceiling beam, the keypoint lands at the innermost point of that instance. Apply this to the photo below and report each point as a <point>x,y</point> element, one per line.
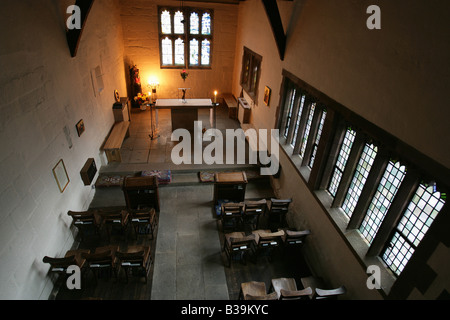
<point>273,14</point>
<point>74,35</point>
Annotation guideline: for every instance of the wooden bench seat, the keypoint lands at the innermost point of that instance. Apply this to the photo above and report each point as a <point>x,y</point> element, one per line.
<point>231,103</point>
<point>120,131</point>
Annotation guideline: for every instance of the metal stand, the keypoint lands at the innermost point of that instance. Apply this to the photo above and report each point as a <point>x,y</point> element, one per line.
<point>153,134</point>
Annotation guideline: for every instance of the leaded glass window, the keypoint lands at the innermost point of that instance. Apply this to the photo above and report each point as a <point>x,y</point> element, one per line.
<point>289,114</point>
<point>317,140</point>
<point>417,219</point>
<point>194,57</point>
<point>382,200</point>
<point>359,179</point>
<point>206,52</point>
<point>307,130</point>
<point>341,162</point>
<point>179,22</point>
<point>206,24</point>
<point>186,37</point>
<point>167,51</point>
<point>179,52</point>
<point>194,25</point>
<point>166,22</point>
<point>297,123</point>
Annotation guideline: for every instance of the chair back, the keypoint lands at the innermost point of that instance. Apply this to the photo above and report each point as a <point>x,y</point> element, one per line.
<point>267,240</point>
<point>296,295</point>
<point>279,206</point>
<point>296,237</point>
<point>270,296</point>
<point>331,294</point>
<point>84,218</point>
<point>60,264</point>
<point>231,209</point>
<point>255,208</point>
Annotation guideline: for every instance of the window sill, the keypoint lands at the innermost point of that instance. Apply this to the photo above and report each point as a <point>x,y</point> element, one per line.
<point>356,243</point>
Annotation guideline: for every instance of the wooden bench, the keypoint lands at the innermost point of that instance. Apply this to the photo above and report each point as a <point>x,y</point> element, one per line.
<point>231,103</point>
<point>120,131</point>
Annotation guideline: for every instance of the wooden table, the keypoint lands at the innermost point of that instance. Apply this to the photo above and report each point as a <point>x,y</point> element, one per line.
<point>230,186</point>
<point>185,113</point>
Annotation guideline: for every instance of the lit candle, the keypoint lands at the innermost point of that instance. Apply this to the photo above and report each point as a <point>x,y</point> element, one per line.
<point>215,96</point>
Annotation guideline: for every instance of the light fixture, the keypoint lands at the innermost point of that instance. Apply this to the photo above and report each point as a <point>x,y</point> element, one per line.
<point>153,85</point>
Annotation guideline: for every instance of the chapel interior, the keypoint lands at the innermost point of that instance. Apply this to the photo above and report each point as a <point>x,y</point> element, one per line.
<point>114,121</point>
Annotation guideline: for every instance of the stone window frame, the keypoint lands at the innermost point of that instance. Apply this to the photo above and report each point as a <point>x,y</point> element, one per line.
<point>317,178</point>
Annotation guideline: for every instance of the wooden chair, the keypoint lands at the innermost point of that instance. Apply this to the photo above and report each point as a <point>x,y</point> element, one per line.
<point>87,222</point>
<point>295,238</point>
<point>286,289</point>
<point>231,216</point>
<point>252,212</point>
<point>318,293</point>
<point>115,219</point>
<point>102,261</point>
<point>240,245</point>
<point>135,260</point>
<point>144,222</point>
<point>267,241</point>
<point>255,291</point>
<point>71,258</point>
<point>278,210</point>
<point>329,294</point>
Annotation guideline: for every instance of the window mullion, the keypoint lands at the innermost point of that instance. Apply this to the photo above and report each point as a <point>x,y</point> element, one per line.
<point>406,191</point>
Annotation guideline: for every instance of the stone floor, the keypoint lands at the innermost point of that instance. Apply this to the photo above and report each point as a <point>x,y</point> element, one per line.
<point>188,264</point>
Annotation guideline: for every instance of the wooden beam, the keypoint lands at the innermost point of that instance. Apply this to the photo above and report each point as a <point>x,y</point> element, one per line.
<point>273,14</point>
<point>74,35</point>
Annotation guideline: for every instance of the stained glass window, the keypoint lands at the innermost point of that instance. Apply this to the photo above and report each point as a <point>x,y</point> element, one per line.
<point>179,22</point>
<point>339,168</point>
<point>166,22</point>
<point>317,140</point>
<point>359,179</point>
<point>206,52</point>
<point>186,37</point>
<point>167,52</point>
<point>417,219</point>
<point>179,51</point>
<point>206,24</point>
<point>195,22</point>
<point>194,56</point>
<point>382,200</point>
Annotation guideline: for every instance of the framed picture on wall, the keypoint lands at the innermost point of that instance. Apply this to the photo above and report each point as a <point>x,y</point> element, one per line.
<point>267,94</point>
<point>61,176</point>
<point>80,128</point>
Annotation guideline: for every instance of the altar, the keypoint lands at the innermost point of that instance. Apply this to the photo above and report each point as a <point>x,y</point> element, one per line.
<point>185,112</point>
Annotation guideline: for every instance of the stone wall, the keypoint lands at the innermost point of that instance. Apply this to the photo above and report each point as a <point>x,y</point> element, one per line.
<point>141,43</point>
<point>43,91</point>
